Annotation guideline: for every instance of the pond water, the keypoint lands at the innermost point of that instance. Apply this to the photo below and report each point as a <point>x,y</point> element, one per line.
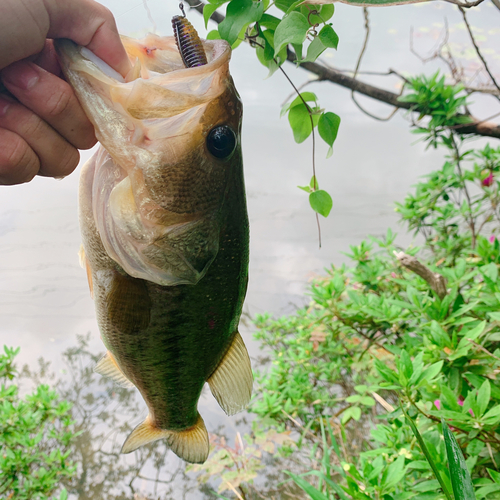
<point>44,298</point>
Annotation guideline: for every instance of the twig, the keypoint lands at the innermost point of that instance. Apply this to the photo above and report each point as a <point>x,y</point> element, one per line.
<point>478,52</point>
<point>334,76</point>
<point>300,87</point>
<point>466,5</point>
<point>481,348</point>
<point>309,110</point>
<point>490,451</point>
<point>382,402</point>
<point>466,191</point>
<point>358,64</point>
<point>435,280</point>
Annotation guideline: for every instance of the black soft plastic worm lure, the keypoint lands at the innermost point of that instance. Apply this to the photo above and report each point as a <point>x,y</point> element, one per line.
<point>188,43</point>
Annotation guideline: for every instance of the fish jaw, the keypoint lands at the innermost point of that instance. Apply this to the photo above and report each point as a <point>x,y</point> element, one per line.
<point>158,192</point>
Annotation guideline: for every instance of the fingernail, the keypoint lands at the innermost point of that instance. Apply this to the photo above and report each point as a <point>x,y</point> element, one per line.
<point>21,74</point>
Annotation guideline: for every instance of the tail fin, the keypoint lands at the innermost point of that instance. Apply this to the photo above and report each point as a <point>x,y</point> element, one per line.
<point>191,444</point>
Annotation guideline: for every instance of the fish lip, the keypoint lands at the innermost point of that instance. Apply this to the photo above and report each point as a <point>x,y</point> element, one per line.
<point>218,50</point>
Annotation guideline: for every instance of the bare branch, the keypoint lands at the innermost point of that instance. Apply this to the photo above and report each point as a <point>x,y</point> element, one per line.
<point>358,64</point>
<point>478,52</point>
<point>435,280</point>
<point>465,5</point>
<point>332,75</point>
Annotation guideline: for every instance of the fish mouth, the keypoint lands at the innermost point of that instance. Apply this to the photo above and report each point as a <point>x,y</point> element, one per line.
<point>149,122</point>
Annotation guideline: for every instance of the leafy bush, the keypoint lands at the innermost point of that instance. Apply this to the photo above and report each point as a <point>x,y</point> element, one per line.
<point>394,332</point>
<point>35,435</point>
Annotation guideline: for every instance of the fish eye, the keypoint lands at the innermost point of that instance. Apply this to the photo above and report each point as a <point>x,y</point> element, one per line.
<point>221,141</point>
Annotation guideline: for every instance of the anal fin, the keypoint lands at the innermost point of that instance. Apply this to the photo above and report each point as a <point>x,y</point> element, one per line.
<point>231,382</point>
<point>192,445</point>
<point>108,367</point>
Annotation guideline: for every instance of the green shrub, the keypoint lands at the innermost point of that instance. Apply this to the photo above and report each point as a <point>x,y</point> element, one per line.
<point>395,331</point>
<point>35,435</point>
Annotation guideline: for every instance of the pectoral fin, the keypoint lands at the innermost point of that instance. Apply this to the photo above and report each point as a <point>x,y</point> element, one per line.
<point>108,367</point>
<point>84,263</point>
<point>231,383</point>
<point>192,445</point>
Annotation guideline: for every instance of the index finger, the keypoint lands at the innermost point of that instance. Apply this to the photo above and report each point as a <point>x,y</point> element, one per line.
<point>24,27</point>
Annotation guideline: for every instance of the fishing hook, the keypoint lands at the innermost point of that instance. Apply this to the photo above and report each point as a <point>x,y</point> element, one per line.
<point>181,6</point>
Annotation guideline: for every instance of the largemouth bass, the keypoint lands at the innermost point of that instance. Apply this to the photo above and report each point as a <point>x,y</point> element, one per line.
<point>165,232</point>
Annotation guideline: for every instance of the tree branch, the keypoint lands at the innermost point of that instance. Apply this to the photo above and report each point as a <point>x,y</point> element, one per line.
<point>478,52</point>
<point>332,75</point>
<point>435,280</point>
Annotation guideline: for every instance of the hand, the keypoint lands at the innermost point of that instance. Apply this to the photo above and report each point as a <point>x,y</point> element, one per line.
<point>42,124</point>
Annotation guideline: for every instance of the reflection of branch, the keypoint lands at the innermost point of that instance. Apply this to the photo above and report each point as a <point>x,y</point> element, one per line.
<point>435,280</point>
<point>358,64</point>
<point>473,40</point>
<point>476,127</point>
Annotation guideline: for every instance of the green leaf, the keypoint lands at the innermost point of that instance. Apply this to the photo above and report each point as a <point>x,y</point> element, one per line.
<point>268,21</point>
<point>239,14</point>
<point>208,10</point>
<point>395,472</point>
<point>299,120</point>
<point>459,474</point>
<point>494,475</point>
<point>313,493</point>
<point>321,202</point>
<point>428,456</point>
<point>483,397</point>
<point>327,12</point>
<point>328,36</point>
<point>328,127</point>
<point>304,96</point>
<point>314,50</point>
<point>213,35</point>
<point>292,29</point>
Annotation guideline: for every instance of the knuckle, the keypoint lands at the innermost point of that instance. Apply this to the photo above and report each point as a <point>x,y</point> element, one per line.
<point>18,163</point>
<point>33,126</point>
<point>59,102</point>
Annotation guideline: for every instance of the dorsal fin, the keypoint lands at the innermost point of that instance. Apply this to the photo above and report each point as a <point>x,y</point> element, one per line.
<point>231,382</point>
<point>108,367</point>
<point>192,445</point>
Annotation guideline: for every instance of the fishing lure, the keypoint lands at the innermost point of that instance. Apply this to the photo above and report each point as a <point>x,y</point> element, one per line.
<point>188,42</point>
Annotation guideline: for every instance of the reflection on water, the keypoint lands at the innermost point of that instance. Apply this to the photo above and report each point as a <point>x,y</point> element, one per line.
<point>44,299</point>
<point>104,414</point>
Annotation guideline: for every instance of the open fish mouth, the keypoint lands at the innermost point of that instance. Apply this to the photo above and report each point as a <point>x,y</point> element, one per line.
<point>157,187</point>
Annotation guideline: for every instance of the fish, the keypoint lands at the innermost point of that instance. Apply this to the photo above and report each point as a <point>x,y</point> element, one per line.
<point>165,234</point>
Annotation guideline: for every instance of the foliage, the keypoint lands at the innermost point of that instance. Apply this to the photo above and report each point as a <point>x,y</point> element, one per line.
<point>376,336</point>
<point>431,96</point>
<point>238,466</point>
<point>305,28</point>
<point>36,433</point>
